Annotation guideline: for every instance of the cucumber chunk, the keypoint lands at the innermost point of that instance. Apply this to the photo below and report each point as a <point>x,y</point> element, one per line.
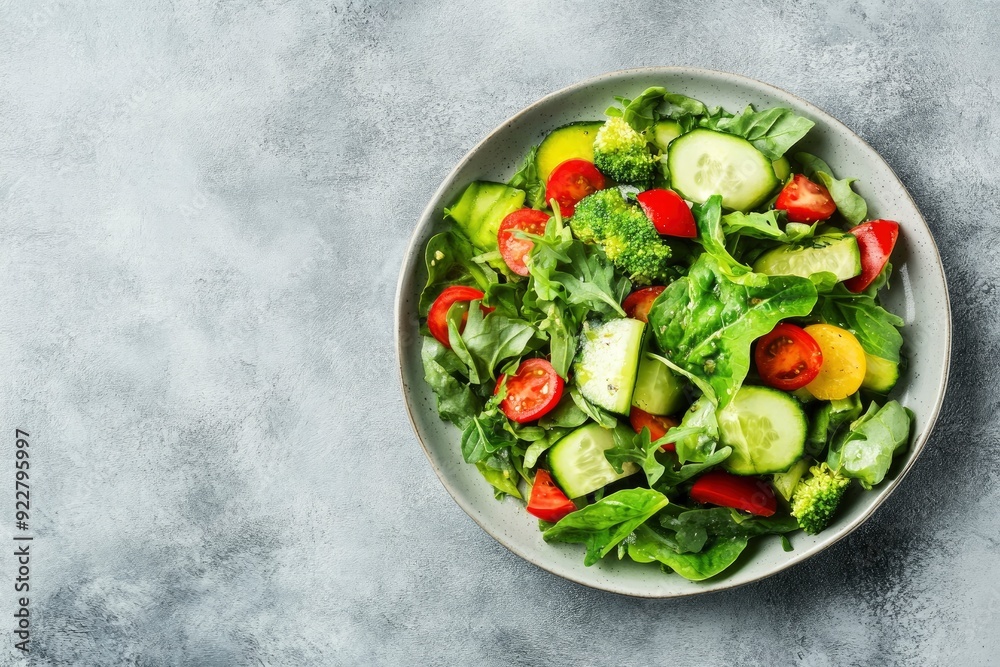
<point>782,168</point>
<point>834,253</point>
<point>880,374</point>
<point>766,429</point>
<point>664,132</point>
<point>578,464</point>
<point>785,482</point>
<point>575,140</point>
<point>607,363</point>
<point>657,390</point>
<point>481,208</point>
<point>703,163</point>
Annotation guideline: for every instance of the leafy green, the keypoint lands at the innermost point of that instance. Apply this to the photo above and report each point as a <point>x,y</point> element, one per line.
<point>495,338</point>
<point>766,226</point>
<point>485,435</point>
<point>652,105</point>
<point>448,257</point>
<point>649,545</point>
<point>706,322</point>
<point>501,475</point>
<point>598,414</point>
<point>527,178</point>
<point>456,401</point>
<point>637,448</point>
<point>828,419</point>
<point>701,430</point>
<point>861,314</point>
<point>865,451</point>
<point>693,528</point>
<point>672,477</point>
<point>602,525</point>
<point>771,131</point>
<point>850,204</point>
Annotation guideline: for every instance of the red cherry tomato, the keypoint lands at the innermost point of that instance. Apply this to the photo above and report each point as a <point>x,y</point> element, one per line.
<point>547,501</point>
<point>668,212</point>
<point>531,392</point>
<point>750,494</point>
<point>805,201</point>
<point>876,239</point>
<point>658,426</point>
<point>515,250</point>
<point>638,303</point>
<point>788,358</point>
<point>570,182</point>
<point>437,316</point>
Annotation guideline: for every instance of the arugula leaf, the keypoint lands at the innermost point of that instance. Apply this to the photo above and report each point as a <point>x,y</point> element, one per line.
<point>861,314</point>
<point>706,322</point>
<point>865,451</point>
<point>850,204</point>
<point>632,447</point>
<point>448,257</point>
<point>602,525</point>
<point>771,131</point>
<point>527,178</point>
<point>649,545</point>
<point>456,401</point>
<point>652,105</point>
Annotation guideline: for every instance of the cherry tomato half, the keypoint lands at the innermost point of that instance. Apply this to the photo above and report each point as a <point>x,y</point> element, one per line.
<point>638,303</point>
<point>788,358</point>
<point>805,201</point>
<point>514,250</point>
<point>547,501</point>
<point>876,239</point>
<point>658,426</point>
<point>570,182</point>
<point>668,212</point>
<point>750,494</point>
<point>531,392</point>
<point>437,316</point>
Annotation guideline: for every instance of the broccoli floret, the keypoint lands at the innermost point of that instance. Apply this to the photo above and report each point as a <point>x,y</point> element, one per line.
<point>626,234</point>
<point>816,498</point>
<point>621,153</point>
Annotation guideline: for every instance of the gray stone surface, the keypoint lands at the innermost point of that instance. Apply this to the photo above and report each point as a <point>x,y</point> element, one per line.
<point>203,206</point>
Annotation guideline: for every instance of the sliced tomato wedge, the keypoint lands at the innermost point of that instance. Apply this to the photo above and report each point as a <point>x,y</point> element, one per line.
<point>788,358</point>
<point>638,303</point>
<point>668,212</point>
<point>514,250</point>
<point>750,494</point>
<point>531,392</point>
<point>570,182</point>
<point>437,316</point>
<point>876,239</point>
<point>658,426</point>
<point>547,501</point>
<point>805,201</point>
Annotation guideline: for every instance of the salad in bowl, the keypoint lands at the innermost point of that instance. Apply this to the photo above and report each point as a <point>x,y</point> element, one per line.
<point>663,335</point>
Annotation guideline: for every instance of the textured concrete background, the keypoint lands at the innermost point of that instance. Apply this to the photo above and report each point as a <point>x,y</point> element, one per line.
<point>203,206</point>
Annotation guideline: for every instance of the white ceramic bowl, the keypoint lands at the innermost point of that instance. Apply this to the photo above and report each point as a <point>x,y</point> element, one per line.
<point>917,293</point>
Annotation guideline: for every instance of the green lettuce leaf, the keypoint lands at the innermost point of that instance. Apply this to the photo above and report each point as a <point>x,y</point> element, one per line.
<point>850,204</point>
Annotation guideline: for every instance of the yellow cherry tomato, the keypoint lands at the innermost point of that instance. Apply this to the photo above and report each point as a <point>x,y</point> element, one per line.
<point>844,365</point>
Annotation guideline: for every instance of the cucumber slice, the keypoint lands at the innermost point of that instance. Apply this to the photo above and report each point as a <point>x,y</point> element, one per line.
<point>575,140</point>
<point>785,482</point>
<point>703,163</point>
<point>657,390</point>
<point>607,363</point>
<point>835,253</point>
<point>766,429</point>
<point>481,208</point>
<point>880,374</point>
<point>578,464</point>
<point>782,168</point>
<point>664,132</point>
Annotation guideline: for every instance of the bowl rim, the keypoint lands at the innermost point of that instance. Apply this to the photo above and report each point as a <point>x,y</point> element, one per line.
<point>413,251</point>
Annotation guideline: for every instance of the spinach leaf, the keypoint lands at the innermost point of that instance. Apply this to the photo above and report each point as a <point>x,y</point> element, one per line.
<point>850,204</point>
<point>448,257</point>
<point>828,419</point>
<point>700,428</point>
<point>567,414</point>
<point>500,473</point>
<point>649,545</point>
<point>672,477</point>
<point>766,226</point>
<point>456,401</point>
<point>652,105</point>
<point>527,179</point>
<point>694,528</point>
<point>598,414</point>
<point>771,131</point>
<point>538,447</point>
<point>602,525</point>
<point>706,321</point>
<point>865,451</point>
<point>484,435</point>
<point>494,338</point>
<point>861,314</point>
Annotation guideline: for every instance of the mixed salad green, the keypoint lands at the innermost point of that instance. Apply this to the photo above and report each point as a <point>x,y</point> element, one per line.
<point>664,334</point>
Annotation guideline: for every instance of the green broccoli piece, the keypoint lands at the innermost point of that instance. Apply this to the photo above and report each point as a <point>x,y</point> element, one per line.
<point>628,237</point>
<point>621,153</point>
<point>815,498</point>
